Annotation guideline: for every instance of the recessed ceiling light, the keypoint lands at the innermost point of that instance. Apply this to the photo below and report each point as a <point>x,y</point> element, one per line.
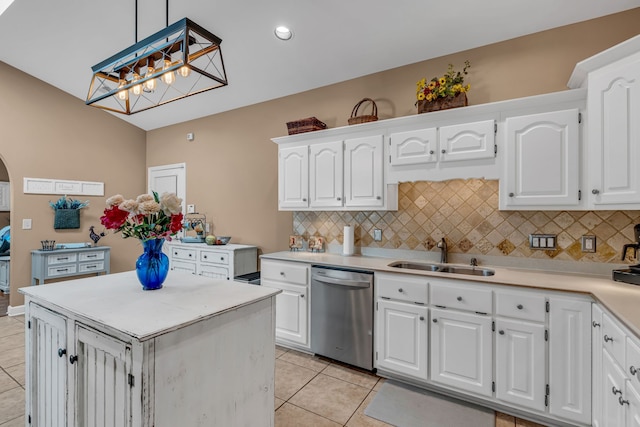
<point>283,33</point>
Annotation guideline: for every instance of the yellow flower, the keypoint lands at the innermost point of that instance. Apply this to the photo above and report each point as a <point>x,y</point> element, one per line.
<point>420,96</point>
<point>432,85</point>
<point>467,87</point>
<point>422,83</point>
<point>442,81</point>
<point>429,97</point>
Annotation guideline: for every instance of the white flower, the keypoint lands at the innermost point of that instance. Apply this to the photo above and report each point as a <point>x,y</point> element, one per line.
<point>144,198</point>
<point>170,203</point>
<point>115,200</point>
<point>129,206</point>
<point>148,207</point>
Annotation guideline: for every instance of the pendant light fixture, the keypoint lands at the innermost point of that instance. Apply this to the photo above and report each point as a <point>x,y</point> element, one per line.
<point>181,60</point>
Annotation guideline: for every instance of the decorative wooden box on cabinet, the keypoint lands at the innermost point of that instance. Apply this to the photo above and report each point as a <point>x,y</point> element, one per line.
<point>91,360</point>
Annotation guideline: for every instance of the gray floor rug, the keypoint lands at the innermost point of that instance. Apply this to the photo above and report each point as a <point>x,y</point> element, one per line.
<point>407,406</point>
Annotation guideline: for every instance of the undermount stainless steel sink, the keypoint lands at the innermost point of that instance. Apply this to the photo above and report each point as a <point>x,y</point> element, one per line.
<point>473,271</point>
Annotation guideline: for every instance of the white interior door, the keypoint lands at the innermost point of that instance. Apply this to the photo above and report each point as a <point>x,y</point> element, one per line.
<point>169,179</point>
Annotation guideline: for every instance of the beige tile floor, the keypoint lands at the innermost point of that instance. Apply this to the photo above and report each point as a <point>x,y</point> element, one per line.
<point>12,371</point>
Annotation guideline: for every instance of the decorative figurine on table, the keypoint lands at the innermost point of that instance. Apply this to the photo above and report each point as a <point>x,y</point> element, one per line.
<point>316,244</point>
<point>295,243</point>
<point>95,236</point>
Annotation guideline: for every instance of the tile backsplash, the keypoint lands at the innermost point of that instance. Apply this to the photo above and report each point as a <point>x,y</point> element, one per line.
<point>465,213</point>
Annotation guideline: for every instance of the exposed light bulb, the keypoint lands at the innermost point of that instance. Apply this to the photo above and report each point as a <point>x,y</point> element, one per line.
<point>167,77</point>
<point>137,89</point>
<point>150,85</point>
<point>184,71</point>
<point>122,94</point>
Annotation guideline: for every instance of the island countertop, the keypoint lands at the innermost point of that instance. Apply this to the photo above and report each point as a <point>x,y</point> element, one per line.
<point>118,301</point>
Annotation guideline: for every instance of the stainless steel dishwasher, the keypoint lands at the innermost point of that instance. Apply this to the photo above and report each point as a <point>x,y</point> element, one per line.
<point>342,315</point>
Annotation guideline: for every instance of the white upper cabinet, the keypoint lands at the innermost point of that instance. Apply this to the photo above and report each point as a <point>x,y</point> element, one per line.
<point>467,141</point>
<point>416,147</point>
<point>363,170</point>
<point>293,177</point>
<point>325,174</point>
<point>541,160</point>
<point>612,78</point>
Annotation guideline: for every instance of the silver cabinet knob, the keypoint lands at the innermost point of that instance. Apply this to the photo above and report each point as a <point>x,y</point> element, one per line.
<point>434,320</point>
<point>595,191</point>
<point>421,317</point>
<point>459,298</point>
<point>608,338</point>
<point>400,290</point>
<point>511,194</point>
<point>443,151</point>
<point>282,273</point>
<point>520,306</point>
<point>304,200</point>
<point>501,332</point>
<point>622,402</point>
<point>615,391</point>
<point>338,198</point>
<point>378,197</point>
<point>431,151</point>
<point>62,352</point>
<point>595,324</point>
<point>302,296</point>
<point>632,370</point>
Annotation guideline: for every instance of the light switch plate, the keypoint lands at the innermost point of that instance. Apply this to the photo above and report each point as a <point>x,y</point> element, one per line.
<point>191,209</point>
<point>542,241</point>
<point>377,235</point>
<point>588,243</point>
<point>26,224</point>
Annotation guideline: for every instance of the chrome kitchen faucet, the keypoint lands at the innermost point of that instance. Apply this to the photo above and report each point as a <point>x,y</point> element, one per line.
<point>443,250</point>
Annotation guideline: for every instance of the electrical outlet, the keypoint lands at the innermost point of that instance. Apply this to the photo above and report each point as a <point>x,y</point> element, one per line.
<point>377,235</point>
<point>191,209</point>
<point>26,224</point>
<point>588,243</point>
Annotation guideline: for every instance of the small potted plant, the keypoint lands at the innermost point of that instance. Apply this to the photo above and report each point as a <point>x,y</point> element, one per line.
<point>441,93</point>
<point>67,212</point>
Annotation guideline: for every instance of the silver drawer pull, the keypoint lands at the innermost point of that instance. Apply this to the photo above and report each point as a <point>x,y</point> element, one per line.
<point>622,402</point>
<point>595,324</point>
<point>615,391</point>
<point>520,306</point>
<point>62,258</point>
<point>459,298</point>
<point>421,317</point>
<point>608,338</point>
<point>632,370</point>
<point>91,256</point>
<point>400,290</point>
<point>60,270</point>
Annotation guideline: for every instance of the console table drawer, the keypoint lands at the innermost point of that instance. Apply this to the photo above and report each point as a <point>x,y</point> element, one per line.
<point>91,256</point>
<point>181,253</point>
<point>62,270</point>
<point>214,257</point>
<point>91,267</point>
<point>61,259</point>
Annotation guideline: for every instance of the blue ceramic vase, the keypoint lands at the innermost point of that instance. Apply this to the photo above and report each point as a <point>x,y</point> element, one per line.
<point>152,266</point>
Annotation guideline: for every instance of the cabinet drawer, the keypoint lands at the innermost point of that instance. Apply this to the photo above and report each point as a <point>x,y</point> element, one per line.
<point>89,267</point>
<point>613,339</point>
<point>181,253</point>
<point>633,361</point>
<point>404,288</point>
<point>521,305</point>
<point>462,297</point>
<point>285,272</point>
<point>61,270</point>
<point>91,256</point>
<point>214,257</point>
<point>185,267</point>
<point>61,259</point>
<point>214,272</point>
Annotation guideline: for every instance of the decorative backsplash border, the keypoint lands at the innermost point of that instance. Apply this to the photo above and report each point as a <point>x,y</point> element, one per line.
<point>465,213</point>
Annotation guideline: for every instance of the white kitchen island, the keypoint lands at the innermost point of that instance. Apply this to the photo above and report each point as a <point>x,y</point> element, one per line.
<point>101,351</point>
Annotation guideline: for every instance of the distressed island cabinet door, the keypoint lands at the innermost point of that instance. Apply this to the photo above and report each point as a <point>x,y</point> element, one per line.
<point>613,102</point>
<point>47,379</point>
<point>325,174</point>
<point>570,359</point>
<point>461,350</point>
<point>104,382</point>
<point>293,177</point>
<point>363,169</point>
<point>402,339</point>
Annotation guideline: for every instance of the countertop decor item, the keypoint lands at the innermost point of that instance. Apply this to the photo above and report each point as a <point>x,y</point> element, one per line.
<point>67,212</point>
<point>364,118</point>
<point>305,125</point>
<point>441,93</point>
<point>152,219</point>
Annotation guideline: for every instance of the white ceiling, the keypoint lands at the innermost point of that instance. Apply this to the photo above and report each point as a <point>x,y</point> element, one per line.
<point>334,40</point>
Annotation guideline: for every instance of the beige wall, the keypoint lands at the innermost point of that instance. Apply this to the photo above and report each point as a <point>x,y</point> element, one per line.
<point>46,133</point>
<point>232,164</point>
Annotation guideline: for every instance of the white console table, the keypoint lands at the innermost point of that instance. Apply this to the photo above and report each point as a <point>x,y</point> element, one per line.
<point>68,262</point>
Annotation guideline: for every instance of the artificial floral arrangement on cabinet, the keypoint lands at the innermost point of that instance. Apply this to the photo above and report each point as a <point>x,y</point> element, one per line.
<point>441,93</point>
<point>67,212</point>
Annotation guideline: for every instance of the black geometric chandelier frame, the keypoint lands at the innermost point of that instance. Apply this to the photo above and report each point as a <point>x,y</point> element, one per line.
<point>181,60</point>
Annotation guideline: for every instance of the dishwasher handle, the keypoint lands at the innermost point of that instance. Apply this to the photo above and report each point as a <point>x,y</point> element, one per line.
<point>342,282</point>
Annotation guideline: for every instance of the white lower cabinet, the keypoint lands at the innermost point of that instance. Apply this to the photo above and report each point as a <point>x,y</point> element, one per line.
<point>461,350</point>
<point>520,363</point>
<point>613,413</point>
<point>292,305</point>
<point>402,338</point>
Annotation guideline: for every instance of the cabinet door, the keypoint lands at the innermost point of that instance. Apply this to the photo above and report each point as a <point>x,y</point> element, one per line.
<point>542,159</point>
<point>103,390</point>
<point>401,341</point>
<point>293,177</point>
<point>613,102</point>
<point>48,377</point>
<point>325,174</point>
<point>416,147</point>
<point>467,141</point>
<point>461,353</point>
<point>291,312</point>
<point>570,359</point>
<point>633,414</point>
<point>520,363</point>
<point>613,413</point>
<point>596,365</point>
<point>363,169</point>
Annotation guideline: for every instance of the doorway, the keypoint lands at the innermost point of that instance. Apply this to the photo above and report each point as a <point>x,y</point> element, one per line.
<point>5,212</point>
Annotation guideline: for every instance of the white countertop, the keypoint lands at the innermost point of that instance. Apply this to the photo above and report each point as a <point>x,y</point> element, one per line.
<point>621,299</point>
<point>118,301</point>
